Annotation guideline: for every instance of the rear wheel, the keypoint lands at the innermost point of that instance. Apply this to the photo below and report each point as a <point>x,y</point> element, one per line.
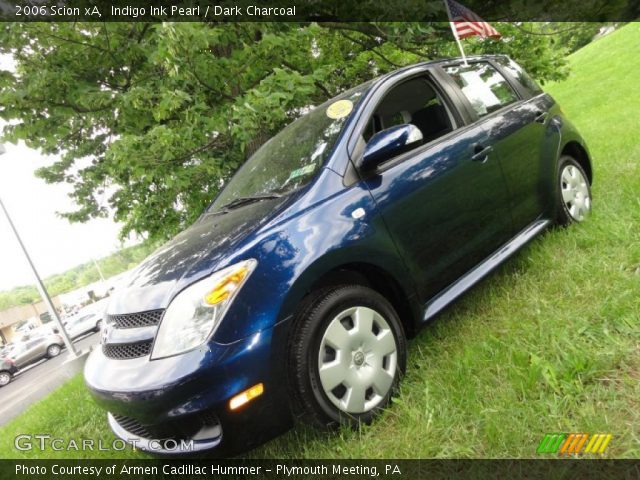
<point>574,192</point>
<point>53,351</point>
<point>347,355</point>
<point>5,378</point>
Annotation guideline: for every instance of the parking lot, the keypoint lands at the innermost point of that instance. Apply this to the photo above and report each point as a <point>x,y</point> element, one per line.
<point>34,382</point>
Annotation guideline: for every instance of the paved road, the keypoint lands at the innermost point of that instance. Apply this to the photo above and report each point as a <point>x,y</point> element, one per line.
<point>35,382</point>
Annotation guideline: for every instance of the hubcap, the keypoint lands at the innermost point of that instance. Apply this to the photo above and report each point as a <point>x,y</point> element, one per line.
<point>575,192</point>
<point>54,350</point>
<point>357,360</point>
<point>4,378</point>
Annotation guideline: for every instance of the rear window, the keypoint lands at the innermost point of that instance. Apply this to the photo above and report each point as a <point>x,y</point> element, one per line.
<point>522,77</point>
<point>484,87</point>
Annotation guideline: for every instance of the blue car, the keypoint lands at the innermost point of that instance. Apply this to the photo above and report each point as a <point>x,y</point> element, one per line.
<point>293,295</point>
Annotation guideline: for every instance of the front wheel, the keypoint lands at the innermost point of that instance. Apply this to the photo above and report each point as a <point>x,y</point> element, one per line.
<point>574,192</point>
<point>348,353</point>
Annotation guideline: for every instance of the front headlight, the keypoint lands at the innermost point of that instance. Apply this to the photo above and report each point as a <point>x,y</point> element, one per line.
<point>194,313</point>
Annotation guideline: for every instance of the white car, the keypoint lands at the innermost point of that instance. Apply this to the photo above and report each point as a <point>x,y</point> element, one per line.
<point>88,319</point>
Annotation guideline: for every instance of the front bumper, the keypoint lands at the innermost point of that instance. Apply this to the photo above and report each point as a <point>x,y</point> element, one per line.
<point>185,398</point>
<point>140,437</point>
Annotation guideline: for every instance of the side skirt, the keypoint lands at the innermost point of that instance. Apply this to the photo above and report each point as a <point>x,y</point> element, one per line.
<point>465,282</point>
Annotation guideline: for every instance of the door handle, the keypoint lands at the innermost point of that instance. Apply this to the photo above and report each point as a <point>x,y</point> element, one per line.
<point>481,153</point>
<point>541,117</point>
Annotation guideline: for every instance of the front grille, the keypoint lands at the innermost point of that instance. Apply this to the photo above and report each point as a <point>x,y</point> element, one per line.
<point>182,428</point>
<point>127,350</point>
<point>135,320</point>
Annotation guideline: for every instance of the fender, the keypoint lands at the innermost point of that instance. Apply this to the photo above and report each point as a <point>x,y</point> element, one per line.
<point>354,260</point>
<point>571,142</point>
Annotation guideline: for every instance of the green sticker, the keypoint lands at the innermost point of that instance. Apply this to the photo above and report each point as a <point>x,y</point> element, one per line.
<point>299,172</point>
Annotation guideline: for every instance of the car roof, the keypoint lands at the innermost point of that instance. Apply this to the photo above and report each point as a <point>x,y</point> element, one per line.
<point>440,62</point>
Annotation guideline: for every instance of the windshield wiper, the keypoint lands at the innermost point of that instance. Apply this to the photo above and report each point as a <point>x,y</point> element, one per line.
<point>250,199</point>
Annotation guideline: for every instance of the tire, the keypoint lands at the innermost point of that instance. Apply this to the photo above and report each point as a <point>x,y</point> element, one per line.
<point>353,334</point>
<point>5,378</point>
<point>573,192</point>
<point>53,350</point>
<point>98,325</point>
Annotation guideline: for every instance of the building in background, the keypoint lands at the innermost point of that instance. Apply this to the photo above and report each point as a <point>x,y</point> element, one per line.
<point>15,319</point>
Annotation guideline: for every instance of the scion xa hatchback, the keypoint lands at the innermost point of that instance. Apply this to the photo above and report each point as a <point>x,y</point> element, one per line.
<point>293,294</point>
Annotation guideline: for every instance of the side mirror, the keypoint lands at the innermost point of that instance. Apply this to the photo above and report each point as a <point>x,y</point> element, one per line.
<point>388,143</point>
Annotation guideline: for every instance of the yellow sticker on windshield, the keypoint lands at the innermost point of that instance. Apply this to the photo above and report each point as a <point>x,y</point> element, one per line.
<point>339,109</point>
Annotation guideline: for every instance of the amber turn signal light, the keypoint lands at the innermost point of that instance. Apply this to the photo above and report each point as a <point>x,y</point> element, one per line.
<point>246,396</point>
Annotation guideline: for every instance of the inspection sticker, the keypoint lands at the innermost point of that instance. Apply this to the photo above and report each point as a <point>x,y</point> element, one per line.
<point>299,172</point>
<point>339,109</point>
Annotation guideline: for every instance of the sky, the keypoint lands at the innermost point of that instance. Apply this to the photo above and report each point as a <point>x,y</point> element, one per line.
<point>55,245</point>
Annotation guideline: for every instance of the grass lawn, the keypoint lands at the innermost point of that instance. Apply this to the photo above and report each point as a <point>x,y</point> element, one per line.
<point>549,343</point>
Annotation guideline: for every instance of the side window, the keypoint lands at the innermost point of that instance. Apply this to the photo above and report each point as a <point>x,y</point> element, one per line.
<point>414,101</point>
<point>484,87</point>
<point>522,77</point>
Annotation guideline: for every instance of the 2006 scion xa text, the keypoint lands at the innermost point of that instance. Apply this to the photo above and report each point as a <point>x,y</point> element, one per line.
<point>293,294</point>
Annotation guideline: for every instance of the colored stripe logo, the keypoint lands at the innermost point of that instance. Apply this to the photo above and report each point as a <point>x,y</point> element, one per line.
<point>574,443</point>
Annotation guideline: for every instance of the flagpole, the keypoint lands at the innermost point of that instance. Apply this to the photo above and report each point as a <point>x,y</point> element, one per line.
<point>455,34</point>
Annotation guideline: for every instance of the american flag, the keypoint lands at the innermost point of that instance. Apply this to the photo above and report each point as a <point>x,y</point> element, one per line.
<point>468,23</point>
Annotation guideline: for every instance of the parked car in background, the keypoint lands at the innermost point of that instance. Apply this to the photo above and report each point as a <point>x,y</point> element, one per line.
<point>7,369</point>
<point>35,349</point>
<point>48,328</point>
<point>81,323</point>
<point>25,327</point>
<point>5,349</point>
<point>293,295</point>
<point>86,320</point>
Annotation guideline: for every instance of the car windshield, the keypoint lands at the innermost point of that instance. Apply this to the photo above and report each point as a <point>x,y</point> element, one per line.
<point>294,156</point>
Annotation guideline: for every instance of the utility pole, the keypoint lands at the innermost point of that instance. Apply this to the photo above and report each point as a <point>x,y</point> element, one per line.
<point>98,268</point>
<point>41,288</point>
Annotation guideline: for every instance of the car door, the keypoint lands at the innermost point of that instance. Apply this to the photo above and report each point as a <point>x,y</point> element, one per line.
<point>445,203</point>
<point>20,355</point>
<point>71,326</point>
<point>35,350</point>
<point>516,127</point>
<point>83,324</point>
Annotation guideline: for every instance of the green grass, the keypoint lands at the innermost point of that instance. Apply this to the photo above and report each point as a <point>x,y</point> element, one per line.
<point>68,412</point>
<point>549,343</point>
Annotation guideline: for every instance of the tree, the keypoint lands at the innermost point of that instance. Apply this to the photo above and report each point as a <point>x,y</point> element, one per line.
<point>150,120</point>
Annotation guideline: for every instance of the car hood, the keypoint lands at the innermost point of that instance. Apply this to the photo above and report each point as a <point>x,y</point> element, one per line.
<point>191,255</point>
